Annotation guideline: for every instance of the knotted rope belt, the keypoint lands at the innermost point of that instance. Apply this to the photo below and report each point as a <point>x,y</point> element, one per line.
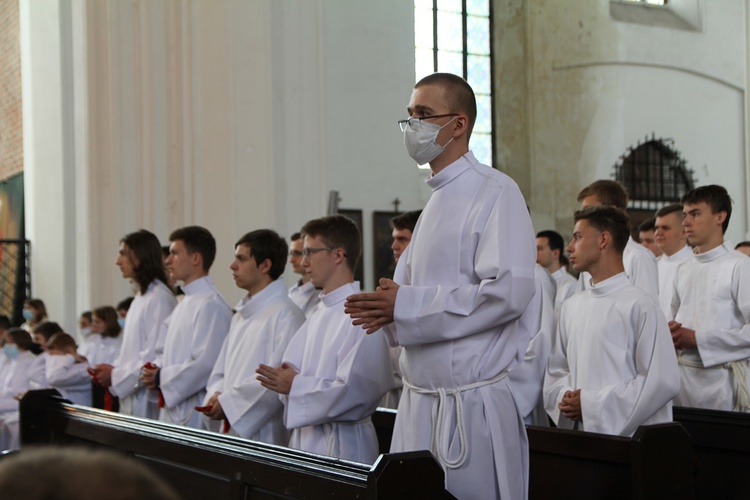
<point>439,440</point>
<point>739,372</point>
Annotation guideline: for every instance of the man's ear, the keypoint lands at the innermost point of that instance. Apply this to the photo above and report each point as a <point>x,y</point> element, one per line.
<point>721,217</point>
<point>461,126</point>
<point>265,266</point>
<point>605,240</point>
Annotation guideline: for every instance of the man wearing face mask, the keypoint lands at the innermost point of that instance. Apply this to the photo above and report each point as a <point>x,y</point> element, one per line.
<point>458,303</point>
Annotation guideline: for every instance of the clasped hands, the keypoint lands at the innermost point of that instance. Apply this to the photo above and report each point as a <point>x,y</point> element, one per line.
<point>373,310</point>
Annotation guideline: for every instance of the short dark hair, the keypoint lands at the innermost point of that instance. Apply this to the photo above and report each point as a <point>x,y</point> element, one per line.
<point>458,94</point>
<point>609,193</point>
<point>296,236</point>
<point>267,244</point>
<point>197,239</point>
<point>20,337</point>
<point>555,241</point>
<point>669,209</point>
<point>124,303</point>
<point>47,329</point>
<point>337,231</point>
<point>647,225</point>
<point>109,316</point>
<point>60,341</point>
<point>4,322</point>
<point>742,244</point>
<point>714,196</point>
<point>87,315</point>
<point>147,249</point>
<point>406,220</point>
<point>610,219</point>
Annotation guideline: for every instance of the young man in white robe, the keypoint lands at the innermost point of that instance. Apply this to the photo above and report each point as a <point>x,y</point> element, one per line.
<point>456,302</point>
<point>612,367</point>
<point>303,293</point>
<point>196,330</point>
<point>265,321</point>
<point>140,260</point>
<point>671,239</point>
<point>549,254</point>
<point>639,262</point>
<point>332,375</point>
<point>711,307</point>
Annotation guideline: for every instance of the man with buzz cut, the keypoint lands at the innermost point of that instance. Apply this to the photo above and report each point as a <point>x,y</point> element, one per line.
<point>612,366</point>
<point>195,330</point>
<point>639,262</point>
<point>711,308</point>
<point>265,321</point>
<point>456,303</point>
<point>671,239</point>
<point>303,293</point>
<point>332,375</point>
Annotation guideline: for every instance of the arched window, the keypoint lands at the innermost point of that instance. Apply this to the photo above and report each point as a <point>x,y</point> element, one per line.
<point>654,174</point>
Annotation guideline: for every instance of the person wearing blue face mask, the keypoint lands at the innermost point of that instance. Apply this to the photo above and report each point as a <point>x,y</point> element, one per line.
<point>18,349</point>
<point>34,312</point>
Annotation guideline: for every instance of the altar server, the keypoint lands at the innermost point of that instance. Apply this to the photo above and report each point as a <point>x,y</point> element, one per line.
<point>265,321</point>
<point>140,260</point>
<point>612,367</point>
<point>196,329</point>
<point>332,375</point>
<point>456,302</point>
<point>711,307</point>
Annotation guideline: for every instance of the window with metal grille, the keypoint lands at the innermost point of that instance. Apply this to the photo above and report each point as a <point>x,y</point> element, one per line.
<point>654,174</point>
<point>455,36</point>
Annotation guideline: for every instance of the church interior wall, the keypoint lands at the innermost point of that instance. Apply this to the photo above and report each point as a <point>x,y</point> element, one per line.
<point>598,86</point>
<point>238,115</point>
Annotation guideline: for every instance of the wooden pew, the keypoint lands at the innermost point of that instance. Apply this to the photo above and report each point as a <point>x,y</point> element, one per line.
<point>655,463</point>
<point>204,465</point>
<point>721,449</point>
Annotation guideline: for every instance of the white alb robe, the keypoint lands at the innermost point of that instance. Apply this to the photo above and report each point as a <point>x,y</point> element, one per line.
<point>38,373</point>
<point>343,373</point>
<point>100,349</point>
<point>16,381</point>
<point>143,332</point>
<point>668,265</point>
<point>566,286</point>
<point>527,379</point>
<point>71,379</point>
<point>305,296</point>
<point>613,343</point>
<point>640,266</point>
<point>712,297</point>
<point>260,333</point>
<point>466,279</point>
<point>196,330</point>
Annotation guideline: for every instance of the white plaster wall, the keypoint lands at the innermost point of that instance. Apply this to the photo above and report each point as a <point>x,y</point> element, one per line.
<point>599,86</point>
<point>232,114</point>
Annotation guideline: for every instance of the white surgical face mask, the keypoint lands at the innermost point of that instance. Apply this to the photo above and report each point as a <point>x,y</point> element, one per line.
<point>420,137</point>
<point>85,332</point>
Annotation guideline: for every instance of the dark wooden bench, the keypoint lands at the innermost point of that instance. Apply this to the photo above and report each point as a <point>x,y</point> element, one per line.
<point>204,465</point>
<point>721,450</point>
<point>655,463</point>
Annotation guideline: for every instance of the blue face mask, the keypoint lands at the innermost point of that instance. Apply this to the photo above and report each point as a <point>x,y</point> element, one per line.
<point>121,322</point>
<point>28,315</point>
<point>11,350</point>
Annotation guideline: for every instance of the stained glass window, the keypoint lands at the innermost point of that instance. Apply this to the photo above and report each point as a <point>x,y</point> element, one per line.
<point>455,36</point>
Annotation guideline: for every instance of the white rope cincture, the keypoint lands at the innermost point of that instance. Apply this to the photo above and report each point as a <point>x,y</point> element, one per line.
<point>438,440</point>
<point>739,372</point>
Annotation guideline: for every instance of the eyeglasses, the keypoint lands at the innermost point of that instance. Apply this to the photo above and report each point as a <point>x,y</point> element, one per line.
<point>412,121</point>
<point>296,253</point>
<point>307,252</point>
